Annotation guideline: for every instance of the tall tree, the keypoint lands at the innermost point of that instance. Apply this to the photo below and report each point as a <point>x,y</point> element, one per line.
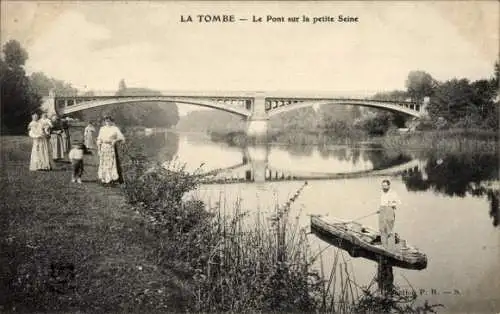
<point>420,84</point>
<point>18,98</point>
<point>43,84</point>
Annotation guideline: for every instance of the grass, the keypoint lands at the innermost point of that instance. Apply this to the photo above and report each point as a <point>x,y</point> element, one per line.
<point>70,248</point>
<point>227,263</point>
<point>444,141</point>
<point>292,137</point>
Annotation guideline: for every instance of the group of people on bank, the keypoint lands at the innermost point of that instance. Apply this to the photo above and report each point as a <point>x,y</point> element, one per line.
<point>52,143</point>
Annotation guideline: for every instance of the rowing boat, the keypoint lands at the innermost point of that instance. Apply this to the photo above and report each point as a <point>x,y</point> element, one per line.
<point>361,241</point>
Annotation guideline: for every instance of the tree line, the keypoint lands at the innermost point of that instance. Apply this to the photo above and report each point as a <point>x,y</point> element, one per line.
<point>22,94</point>
<point>455,103</point>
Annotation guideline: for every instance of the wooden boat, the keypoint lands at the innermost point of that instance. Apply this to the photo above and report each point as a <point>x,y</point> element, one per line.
<point>360,241</point>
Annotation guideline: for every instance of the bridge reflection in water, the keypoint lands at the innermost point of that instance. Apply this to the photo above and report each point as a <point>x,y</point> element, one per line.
<point>255,167</point>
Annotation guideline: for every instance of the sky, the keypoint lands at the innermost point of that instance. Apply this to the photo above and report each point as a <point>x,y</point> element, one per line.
<point>94,45</point>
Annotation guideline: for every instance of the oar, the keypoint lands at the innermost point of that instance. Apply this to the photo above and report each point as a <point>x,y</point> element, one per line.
<point>344,222</point>
<point>359,218</point>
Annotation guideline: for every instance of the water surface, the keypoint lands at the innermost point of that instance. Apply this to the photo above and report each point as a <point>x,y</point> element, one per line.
<point>448,211</point>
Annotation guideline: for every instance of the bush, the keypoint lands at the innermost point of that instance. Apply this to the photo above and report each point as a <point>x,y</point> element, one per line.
<point>227,263</point>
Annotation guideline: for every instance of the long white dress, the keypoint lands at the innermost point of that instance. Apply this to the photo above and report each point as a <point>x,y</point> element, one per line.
<point>40,155</point>
<point>56,141</point>
<point>89,136</point>
<point>109,163</point>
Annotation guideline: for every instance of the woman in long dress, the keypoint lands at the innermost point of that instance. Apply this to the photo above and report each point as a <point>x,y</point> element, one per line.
<point>56,139</point>
<point>65,136</point>
<point>109,163</point>
<point>89,136</point>
<point>40,156</point>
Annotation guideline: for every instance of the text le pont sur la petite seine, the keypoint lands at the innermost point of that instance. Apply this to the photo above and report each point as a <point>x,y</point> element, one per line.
<point>223,18</point>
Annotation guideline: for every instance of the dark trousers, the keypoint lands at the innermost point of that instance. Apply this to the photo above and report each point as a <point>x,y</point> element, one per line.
<point>77,165</point>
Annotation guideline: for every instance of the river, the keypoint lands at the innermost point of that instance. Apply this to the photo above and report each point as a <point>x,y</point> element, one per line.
<point>439,214</point>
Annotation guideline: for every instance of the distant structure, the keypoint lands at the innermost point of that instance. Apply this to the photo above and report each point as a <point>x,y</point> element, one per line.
<point>256,107</point>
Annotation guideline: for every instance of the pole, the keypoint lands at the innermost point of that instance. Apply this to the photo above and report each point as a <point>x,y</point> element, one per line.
<point>385,277</point>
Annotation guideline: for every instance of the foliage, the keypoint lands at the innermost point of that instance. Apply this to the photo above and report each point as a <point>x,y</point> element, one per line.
<point>227,263</point>
<point>396,302</point>
<point>375,124</point>
<point>464,104</point>
<point>18,97</point>
<point>397,95</point>
<point>211,121</point>
<point>43,84</point>
<point>420,84</point>
<point>451,141</point>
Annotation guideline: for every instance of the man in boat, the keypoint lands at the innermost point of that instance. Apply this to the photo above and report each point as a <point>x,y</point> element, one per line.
<point>388,202</point>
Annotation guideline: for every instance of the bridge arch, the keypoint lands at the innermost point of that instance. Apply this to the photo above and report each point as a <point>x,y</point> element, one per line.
<point>99,102</point>
<point>411,109</point>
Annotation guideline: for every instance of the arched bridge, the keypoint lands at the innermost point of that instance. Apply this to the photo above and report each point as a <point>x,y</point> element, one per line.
<point>238,106</point>
<point>256,107</point>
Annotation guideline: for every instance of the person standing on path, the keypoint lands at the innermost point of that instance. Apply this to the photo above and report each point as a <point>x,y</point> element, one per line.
<point>56,140</point>
<point>109,163</point>
<point>389,200</point>
<point>89,136</point>
<point>40,155</point>
<point>65,135</point>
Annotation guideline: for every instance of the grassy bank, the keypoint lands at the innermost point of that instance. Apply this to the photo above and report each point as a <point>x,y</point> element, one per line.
<point>74,248</point>
<point>444,141</point>
<point>291,137</point>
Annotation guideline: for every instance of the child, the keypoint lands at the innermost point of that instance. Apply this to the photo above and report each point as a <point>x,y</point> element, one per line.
<point>76,157</point>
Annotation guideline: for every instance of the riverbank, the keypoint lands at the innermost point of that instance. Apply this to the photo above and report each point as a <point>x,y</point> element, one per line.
<point>74,248</point>
<point>447,141</point>
<point>292,137</point>
<point>444,141</point>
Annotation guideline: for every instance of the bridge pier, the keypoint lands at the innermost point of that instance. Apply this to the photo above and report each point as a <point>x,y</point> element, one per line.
<point>257,124</point>
<point>258,156</point>
<point>257,129</point>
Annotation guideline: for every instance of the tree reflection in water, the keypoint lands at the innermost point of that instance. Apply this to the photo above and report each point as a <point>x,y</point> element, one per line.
<point>459,175</point>
<point>161,146</point>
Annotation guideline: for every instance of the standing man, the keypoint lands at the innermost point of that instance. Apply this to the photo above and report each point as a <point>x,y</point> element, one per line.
<point>388,202</point>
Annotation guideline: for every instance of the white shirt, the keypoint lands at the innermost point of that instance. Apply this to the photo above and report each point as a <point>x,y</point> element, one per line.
<point>109,134</point>
<point>389,198</point>
<point>35,129</point>
<point>46,124</point>
<point>76,153</point>
<point>89,129</point>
